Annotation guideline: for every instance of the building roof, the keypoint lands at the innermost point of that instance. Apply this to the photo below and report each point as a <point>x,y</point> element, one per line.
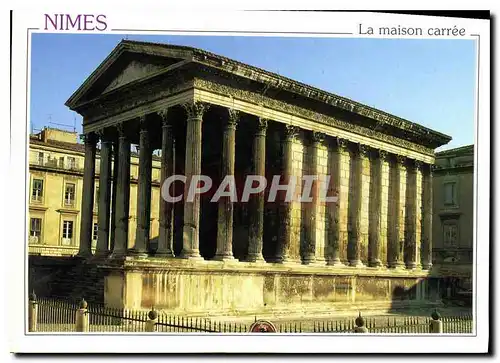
<point>462,150</point>
<point>196,55</point>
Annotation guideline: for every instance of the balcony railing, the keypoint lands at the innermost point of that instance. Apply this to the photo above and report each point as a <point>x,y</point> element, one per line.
<point>57,163</point>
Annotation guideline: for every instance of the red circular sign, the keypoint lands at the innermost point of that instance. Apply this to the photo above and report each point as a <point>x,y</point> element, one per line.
<point>262,326</point>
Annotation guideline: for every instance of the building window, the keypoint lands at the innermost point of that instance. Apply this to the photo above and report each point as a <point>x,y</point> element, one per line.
<point>450,193</point>
<point>40,158</point>
<point>35,230</point>
<point>450,235</point>
<point>37,190</point>
<point>71,162</point>
<point>61,162</point>
<point>67,232</point>
<point>69,194</point>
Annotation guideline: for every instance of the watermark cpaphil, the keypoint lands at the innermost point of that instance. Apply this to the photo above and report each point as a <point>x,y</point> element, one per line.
<point>307,188</point>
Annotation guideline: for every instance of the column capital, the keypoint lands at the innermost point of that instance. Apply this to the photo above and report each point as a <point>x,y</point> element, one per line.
<point>363,150</point>
<point>195,110</point>
<point>90,138</point>
<point>164,113</point>
<point>143,124</point>
<point>104,135</point>
<point>234,117</point>
<point>341,144</point>
<point>318,137</point>
<point>419,165</point>
<point>291,132</point>
<point>401,161</point>
<point>262,124</point>
<point>383,155</point>
<point>121,130</point>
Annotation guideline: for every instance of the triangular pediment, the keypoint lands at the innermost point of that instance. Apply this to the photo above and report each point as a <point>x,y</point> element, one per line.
<point>127,63</point>
<point>135,70</point>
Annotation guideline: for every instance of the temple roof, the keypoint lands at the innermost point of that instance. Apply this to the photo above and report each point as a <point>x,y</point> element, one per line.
<point>180,55</point>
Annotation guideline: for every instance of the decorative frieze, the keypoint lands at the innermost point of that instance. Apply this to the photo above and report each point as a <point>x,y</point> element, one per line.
<point>291,109</point>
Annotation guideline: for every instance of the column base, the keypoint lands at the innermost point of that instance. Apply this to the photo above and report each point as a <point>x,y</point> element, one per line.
<point>336,262</point>
<point>309,260</point>
<point>356,263</point>
<point>396,265</point>
<point>288,261</point>
<point>84,254</point>
<point>413,266</point>
<point>164,254</point>
<point>191,255</point>
<point>426,266</point>
<point>137,253</point>
<point>375,263</point>
<point>224,258</point>
<point>255,257</point>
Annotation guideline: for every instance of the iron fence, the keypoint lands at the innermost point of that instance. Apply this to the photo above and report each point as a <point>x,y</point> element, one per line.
<point>60,316</point>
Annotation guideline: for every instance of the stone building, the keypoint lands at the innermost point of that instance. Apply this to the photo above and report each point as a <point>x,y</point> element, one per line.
<point>214,116</point>
<point>453,225</point>
<point>56,160</point>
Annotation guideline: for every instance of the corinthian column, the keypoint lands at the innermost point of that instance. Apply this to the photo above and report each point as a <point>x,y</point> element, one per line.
<point>314,209</point>
<point>225,212</point>
<point>376,211</point>
<point>143,191</point>
<point>358,215</point>
<point>287,251</point>
<point>104,195</point>
<point>165,239</point>
<point>256,230</point>
<point>122,194</point>
<point>397,191</point>
<point>87,196</point>
<point>413,218</point>
<point>427,218</point>
<point>190,240</point>
<point>336,213</point>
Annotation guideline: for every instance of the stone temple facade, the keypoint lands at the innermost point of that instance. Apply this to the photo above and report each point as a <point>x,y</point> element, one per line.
<point>215,116</point>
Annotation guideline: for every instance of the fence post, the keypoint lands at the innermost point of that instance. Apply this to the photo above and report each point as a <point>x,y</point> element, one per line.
<point>436,325</point>
<point>152,320</point>
<point>360,325</point>
<point>32,313</point>
<point>82,317</point>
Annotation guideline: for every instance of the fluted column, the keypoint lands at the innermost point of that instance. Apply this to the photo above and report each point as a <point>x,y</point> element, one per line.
<point>376,211</point>
<point>86,226</point>
<point>314,208</point>
<point>286,250</point>
<point>143,191</point>
<point>102,247</point>
<point>356,214</point>
<point>256,230</point>
<point>413,208</point>
<point>336,213</point>
<point>112,227</point>
<point>396,238</point>
<point>190,240</point>
<point>225,212</point>
<point>166,232</point>
<point>427,218</point>
<point>122,193</point>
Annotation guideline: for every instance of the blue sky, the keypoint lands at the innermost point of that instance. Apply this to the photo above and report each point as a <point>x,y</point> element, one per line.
<point>430,82</point>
